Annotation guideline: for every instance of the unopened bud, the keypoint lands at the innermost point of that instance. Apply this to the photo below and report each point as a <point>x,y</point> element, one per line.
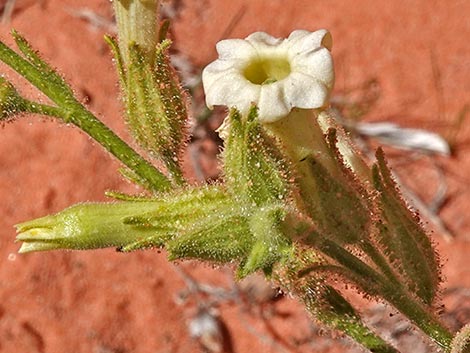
<point>137,23</point>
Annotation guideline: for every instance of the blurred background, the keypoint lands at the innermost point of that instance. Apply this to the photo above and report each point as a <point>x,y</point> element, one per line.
<point>402,62</point>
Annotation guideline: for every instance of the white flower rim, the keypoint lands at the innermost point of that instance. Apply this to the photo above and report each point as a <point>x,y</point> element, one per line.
<point>298,71</point>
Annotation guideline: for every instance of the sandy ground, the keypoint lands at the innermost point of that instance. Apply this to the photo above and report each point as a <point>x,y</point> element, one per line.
<point>415,52</point>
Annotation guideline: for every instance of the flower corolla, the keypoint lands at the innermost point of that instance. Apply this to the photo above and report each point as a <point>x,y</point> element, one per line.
<point>275,74</point>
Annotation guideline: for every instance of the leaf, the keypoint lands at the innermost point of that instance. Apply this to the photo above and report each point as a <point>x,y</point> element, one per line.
<point>38,72</point>
<point>324,302</point>
<point>11,102</point>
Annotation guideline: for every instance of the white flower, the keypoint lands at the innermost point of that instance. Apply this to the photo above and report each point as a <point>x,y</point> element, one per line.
<point>275,74</point>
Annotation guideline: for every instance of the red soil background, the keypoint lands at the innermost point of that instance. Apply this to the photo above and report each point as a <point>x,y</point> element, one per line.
<point>106,302</point>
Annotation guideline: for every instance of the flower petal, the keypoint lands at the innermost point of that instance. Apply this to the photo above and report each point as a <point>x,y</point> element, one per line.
<point>219,66</point>
<point>317,63</point>
<point>229,88</point>
<point>272,103</point>
<point>301,41</point>
<point>304,91</point>
<point>263,39</point>
<point>306,86</point>
<point>233,49</point>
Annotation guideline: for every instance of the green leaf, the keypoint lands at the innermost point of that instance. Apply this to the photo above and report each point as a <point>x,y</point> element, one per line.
<point>36,71</point>
<point>69,110</point>
<point>324,302</point>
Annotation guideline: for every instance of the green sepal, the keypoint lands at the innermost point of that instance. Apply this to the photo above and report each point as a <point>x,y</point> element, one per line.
<point>187,220</point>
<point>256,176</point>
<point>174,98</point>
<point>402,239</point>
<point>461,341</point>
<point>339,211</point>
<point>185,206</point>
<point>11,102</point>
<point>217,238</point>
<point>255,171</point>
<point>200,223</point>
<point>217,231</point>
<point>156,106</point>
<point>271,244</point>
<point>163,30</point>
<point>114,46</point>
<point>333,310</point>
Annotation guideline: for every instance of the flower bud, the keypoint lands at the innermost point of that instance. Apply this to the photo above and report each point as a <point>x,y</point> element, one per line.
<point>84,226</point>
<point>137,23</point>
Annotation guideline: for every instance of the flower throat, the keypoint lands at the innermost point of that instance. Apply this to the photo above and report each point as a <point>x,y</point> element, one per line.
<point>266,71</point>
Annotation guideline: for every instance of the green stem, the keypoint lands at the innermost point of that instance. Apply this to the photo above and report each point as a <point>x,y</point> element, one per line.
<point>87,122</point>
<point>394,293</point>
